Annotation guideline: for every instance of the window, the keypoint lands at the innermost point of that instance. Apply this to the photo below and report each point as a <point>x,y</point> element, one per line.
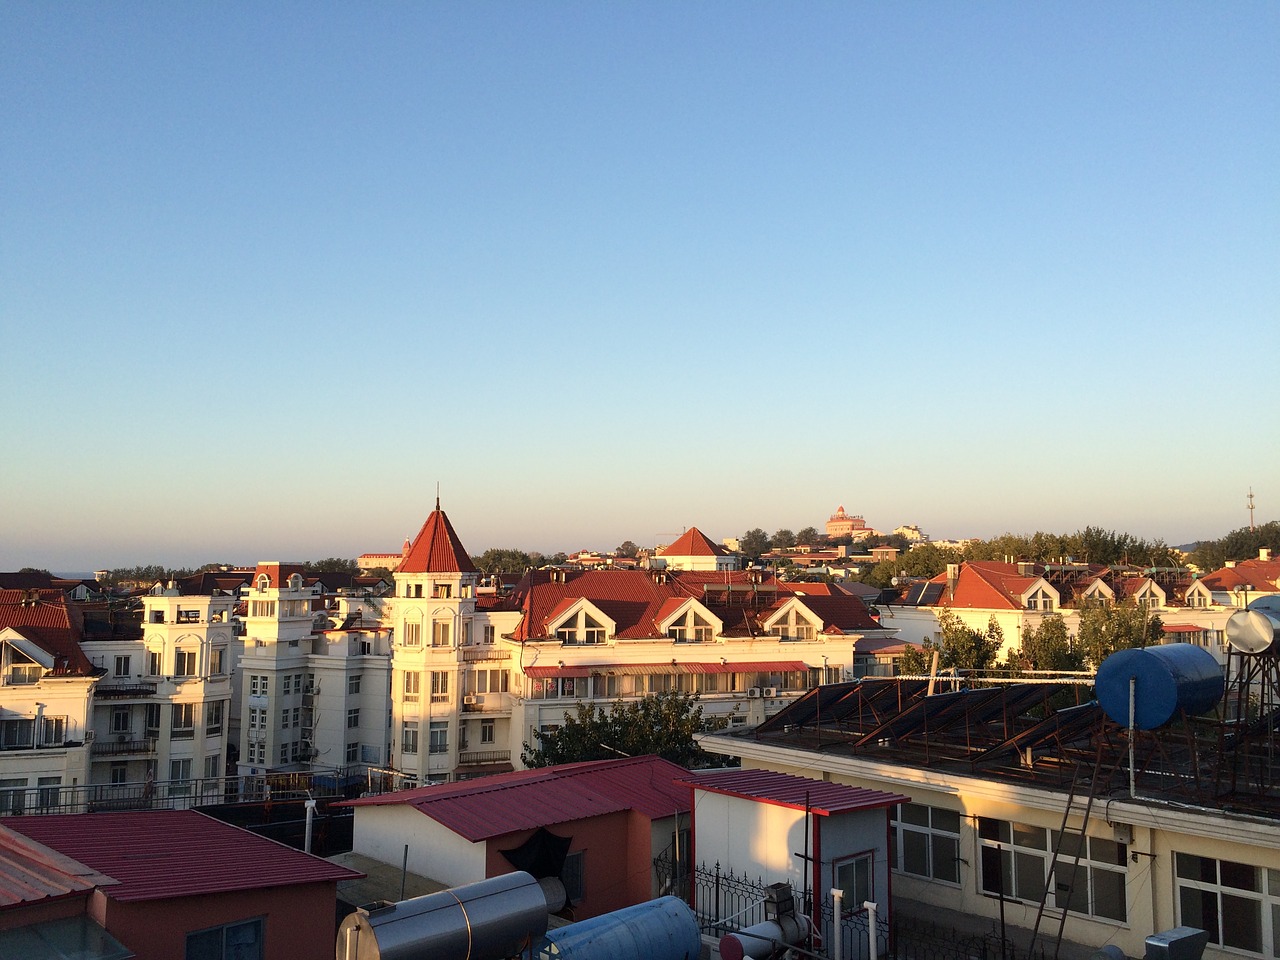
<point>122,666</point>
<point>853,876</point>
<point>691,628</point>
<point>297,683</point>
<point>213,717</point>
<point>253,718</point>
<point>1237,903</point>
<point>353,684</point>
<point>217,661</point>
<point>284,753</point>
<point>151,719</point>
<point>439,734</point>
<point>286,685</point>
<point>50,792</point>
<point>353,718</point>
<point>263,608</point>
<point>1018,866</point>
<point>213,766</point>
<point>440,633</point>
<point>119,772</point>
<point>926,842</point>
<point>573,876</point>
<point>235,941</point>
<point>439,686</point>
<point>284,718</point>
<point>412,687</point>
<point>488,731</point>
<point>120,722</point>
<point>409,738</point>
<point>297,716</point>
<point>180,777</point>
<point>184,720</point>
<point>13,791</point>
<point>491,681</point>
<point>153,663</point>
<point>295,750</point>
<point>489,633</point>
<point>792,626</point>
<point>184,663</point>
<point>353,752</point>
<point>441,591</point>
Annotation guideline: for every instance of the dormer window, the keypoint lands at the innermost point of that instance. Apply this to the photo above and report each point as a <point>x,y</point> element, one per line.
<point>793,626</point>
<point>691,628</point>
<point>582,629</point>
<point>22,669</point>
<point>1040,600</point>
<point>295,582</point>
<point>263,582</point>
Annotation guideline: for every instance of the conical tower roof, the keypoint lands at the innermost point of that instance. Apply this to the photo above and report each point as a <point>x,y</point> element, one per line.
<point>437,549</point>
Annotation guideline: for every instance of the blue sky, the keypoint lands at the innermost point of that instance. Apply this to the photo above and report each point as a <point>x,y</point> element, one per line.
<point>603,271</point>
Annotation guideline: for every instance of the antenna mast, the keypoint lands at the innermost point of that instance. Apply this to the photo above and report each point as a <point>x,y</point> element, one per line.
<point>1251,509</point>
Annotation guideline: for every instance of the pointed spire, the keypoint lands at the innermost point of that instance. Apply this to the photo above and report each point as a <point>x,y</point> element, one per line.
<point>436,548</point>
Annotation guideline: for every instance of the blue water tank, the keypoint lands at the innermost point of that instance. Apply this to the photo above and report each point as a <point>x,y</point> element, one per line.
<point>1169,678</point>
<point>663,929</point>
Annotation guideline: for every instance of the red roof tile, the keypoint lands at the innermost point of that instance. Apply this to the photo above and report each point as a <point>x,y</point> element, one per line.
<point>694,543</point>
<point>46,619</point>
<point>819,796</point>
<point>986,585</point>
<point>526,799</point>
<point>436,548</point>
<point>670,666</point>
<point>157,854</point>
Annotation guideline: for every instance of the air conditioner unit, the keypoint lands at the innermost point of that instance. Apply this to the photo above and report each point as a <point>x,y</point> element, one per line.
<point>754,693</point>
<point>470,699</point>
<point>770,691</point>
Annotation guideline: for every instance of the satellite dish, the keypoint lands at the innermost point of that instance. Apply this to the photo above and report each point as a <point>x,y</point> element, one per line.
<point>1251,631</point>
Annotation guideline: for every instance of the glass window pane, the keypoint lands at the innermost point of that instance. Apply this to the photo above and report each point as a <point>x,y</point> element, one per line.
<point>1191,867</point>
<point>915,853</point>
<point>1108,894</point>
<point>946,859</point>
<point>997,867</point>
<point>1068,844</point>
<point>947,820</point>
<point>1030,870</point>
<point>1071,887</point>
<point>916,814</point>
<point>1241,923</point>
<point>1026,836</point>
<point>1199,908</point>
<point>1275,928</point>
<point>204,946</point>
<point>989,829</point>
<point>1242,876</point>
<point>1106,851</point>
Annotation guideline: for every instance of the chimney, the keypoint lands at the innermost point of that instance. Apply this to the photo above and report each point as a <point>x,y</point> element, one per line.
<point>953,574</point>
<point>1264,553</point>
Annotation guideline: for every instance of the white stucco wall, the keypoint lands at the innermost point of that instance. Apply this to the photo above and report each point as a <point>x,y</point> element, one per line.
<point>382,832</point>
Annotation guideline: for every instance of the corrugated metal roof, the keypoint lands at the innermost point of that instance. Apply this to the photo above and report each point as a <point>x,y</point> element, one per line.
<point>820,796</point>
<point>31,872</point>
<point>526,799</point>
<point>155,854</point>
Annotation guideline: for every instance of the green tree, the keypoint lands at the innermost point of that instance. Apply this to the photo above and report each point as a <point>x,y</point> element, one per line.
<point>1103,628</point>
<point>754,542</point>
<point>331,565</point>
<point>628,549</point>
<point>39,570</point>
<point>1241,544</point>
<point>964,648</point>
<point>916,659</point>
<point>1046,646</point>
<point>661,723</point>
<point>500,560</point>
<point>782,539</point>
<point>808,536</point>
<point>927,560</point>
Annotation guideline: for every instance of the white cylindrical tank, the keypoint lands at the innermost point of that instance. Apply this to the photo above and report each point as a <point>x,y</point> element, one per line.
<point>663,929</point>
<point>762,939</point>
<point>489,920</point>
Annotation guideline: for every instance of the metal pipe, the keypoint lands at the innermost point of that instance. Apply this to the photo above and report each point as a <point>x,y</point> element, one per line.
<point>873,944</point>
<point>311,815</point>
<point>1133,689</point>
<point>837,909</point>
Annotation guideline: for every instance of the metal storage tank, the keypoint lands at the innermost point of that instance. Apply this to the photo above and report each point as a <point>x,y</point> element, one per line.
<point>1252,631</point>
<point>663,929</point>
<point>488,920</point>
<point>1169,678</point>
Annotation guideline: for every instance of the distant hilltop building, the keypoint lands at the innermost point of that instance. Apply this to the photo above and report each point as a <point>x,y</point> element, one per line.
<point>842,524</point>
<point>694,551</point>
<point>388,561</point>
<point>911,533</point>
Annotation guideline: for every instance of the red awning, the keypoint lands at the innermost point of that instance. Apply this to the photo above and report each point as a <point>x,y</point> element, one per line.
<point>1183,628</point>
<point>644,669</point>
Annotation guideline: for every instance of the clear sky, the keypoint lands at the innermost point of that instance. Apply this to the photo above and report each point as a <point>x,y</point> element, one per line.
<point>268,272</point>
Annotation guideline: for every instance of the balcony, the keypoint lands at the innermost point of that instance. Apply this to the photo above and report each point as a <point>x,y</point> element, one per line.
<point>124,690</point>
<point>115,746</point>
<point>477,654</point>
<point>468,757</point>
<point>486,703</point>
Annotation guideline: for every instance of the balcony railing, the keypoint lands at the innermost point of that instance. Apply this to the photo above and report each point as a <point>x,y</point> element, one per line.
<point>476,654</point>
<point>131,689</point>
<point>112,747</point>
<point>467,757</point>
